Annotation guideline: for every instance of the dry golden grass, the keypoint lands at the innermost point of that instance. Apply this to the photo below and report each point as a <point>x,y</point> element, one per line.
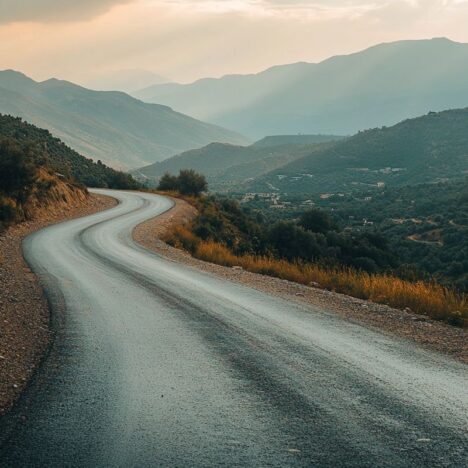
<point>424,298</point>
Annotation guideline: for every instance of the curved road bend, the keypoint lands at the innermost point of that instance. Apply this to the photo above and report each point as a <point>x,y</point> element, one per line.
<point>158,364</point>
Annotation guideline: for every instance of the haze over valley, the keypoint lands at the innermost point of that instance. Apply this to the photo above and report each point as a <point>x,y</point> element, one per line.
<point>109,126</point>
<point>379,86</point>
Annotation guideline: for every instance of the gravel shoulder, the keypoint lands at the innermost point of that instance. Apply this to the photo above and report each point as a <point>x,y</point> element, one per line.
<point>24,311</point>
<point>403,324</point>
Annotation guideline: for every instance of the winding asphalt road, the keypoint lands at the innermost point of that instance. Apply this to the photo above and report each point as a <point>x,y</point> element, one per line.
<point>158,364</point>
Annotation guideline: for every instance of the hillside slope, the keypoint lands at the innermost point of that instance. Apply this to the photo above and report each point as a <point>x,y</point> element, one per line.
<point>108,126</point>
<point>225,165</point>
<point>425,149</point>
<point>39,173</point>
<point>427,224</point>
<point>300,139</point>
<point>341,95</point>
<point>29,189</point>
<point>58,157</point>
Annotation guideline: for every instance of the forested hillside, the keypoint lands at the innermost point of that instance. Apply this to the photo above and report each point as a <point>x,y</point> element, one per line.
<point>426,224</point>
<point>425,149</point>
<point>60,158</point>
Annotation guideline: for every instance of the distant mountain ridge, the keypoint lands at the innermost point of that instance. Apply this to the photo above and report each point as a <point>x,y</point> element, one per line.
<point>127,81</point>
<point>379,86</point>
<point>226,165</point>
<point>283,140</point>
<point>111,126</point>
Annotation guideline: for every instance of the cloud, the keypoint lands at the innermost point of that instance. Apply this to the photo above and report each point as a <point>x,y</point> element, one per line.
<point>53,10</point>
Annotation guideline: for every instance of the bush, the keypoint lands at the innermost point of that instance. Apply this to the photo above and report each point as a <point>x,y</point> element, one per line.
<point>7,213</point>
<point>316,220</point>
<point>17,170</point>
<point>169,183</point>
<point>188,182</point>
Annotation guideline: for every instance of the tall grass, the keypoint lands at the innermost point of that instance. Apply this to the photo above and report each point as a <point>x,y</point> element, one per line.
<point>430,299</point>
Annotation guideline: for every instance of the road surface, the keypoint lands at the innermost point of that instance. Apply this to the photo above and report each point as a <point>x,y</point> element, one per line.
<point>158,364</point>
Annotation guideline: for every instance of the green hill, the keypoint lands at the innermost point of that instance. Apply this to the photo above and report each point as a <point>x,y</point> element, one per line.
<point>56,156</point>
<point>425,149</point>
<point>111,126</point>
<point>228,165</point>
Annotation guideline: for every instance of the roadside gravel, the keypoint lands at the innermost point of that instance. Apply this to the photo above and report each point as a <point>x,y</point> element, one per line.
<point>405,324</point>
<point>24,312</point>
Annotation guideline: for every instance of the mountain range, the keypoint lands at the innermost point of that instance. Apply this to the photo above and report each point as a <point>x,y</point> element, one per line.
<point>341,95</point>
<point>103,125</point>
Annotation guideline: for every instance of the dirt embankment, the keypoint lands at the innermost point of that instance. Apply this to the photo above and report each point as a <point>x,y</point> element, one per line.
<point>24,312</point>
<point>432,334</point>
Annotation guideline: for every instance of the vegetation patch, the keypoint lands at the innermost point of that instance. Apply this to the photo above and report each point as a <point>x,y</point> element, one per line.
<point>58,157</point>
<point>311,251</point>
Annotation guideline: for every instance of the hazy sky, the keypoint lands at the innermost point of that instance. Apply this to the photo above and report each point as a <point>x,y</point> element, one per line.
<point>188,39</point>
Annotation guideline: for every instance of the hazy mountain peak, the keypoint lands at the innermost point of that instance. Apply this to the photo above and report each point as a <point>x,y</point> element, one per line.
<point>125,80</point>
<point>111,126</point>
<point>380,85</point>
<point>15,80</point>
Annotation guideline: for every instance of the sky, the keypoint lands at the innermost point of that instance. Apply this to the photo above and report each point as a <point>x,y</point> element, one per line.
<point>188,39</point>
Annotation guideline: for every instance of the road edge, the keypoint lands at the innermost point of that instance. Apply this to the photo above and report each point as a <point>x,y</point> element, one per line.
<point>28,312</point>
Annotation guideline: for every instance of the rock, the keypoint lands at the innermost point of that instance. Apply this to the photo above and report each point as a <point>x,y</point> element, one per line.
<point>419,319</point>
<point>300,294</point>
<point>314,284</point>
<point>407,309</point>
<point>237,267</point>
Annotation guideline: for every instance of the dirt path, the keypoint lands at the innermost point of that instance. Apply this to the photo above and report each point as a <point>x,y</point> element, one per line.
<point>430,333</point>
<point>24,312</point>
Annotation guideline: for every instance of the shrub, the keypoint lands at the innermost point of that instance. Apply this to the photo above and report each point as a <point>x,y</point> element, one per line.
<point>188,182</point>
<point>316,220</point>
<point>169,183</point>
<point>191,183</point>
<point>17,170</point>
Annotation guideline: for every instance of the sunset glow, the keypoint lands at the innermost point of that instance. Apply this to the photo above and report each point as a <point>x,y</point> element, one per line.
<point>188,39</point>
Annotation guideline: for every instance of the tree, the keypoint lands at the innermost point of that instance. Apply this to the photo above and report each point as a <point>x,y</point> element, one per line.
<point>316,220</point>
<point>168,183</point>
<point>191,182</point>
<point>17,170</point>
